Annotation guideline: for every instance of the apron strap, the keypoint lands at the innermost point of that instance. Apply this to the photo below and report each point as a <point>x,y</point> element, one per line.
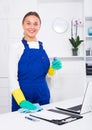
<point>40,44</point>
<point>25,43</point>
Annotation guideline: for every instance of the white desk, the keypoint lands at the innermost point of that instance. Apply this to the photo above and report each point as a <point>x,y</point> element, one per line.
<point>17,121</point>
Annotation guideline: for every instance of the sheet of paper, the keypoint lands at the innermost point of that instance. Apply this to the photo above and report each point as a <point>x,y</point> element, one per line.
<point>49,115</point>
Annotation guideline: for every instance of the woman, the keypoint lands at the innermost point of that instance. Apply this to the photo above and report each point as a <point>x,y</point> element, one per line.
<point>28,67</point>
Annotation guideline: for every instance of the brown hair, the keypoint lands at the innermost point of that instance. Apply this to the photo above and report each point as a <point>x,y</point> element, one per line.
<point>32,13</point>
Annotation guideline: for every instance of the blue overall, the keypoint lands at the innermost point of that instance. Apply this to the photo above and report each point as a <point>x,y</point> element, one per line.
<point>32,69</point>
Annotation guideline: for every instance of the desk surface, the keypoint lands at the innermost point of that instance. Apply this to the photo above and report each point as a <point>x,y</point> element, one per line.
<point>17,121</point>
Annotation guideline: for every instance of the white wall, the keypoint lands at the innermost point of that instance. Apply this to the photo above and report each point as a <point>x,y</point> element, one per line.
<point>59,42</point>
<point>69,82</point>
<point>88,7</point>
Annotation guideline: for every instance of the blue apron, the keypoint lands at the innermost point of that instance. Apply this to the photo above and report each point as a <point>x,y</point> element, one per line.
<point>32,69</point>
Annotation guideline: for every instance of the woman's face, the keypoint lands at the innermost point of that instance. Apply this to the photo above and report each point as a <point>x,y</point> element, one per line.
<point>31,26</point>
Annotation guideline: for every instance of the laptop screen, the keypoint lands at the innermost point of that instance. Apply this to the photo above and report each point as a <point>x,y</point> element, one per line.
<point>87,100</point>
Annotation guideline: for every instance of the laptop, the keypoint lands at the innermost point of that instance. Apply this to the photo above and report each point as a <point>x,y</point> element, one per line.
<point>83,108</point>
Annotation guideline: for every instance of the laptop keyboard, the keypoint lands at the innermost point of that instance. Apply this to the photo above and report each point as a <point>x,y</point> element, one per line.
<point>76,108</point>
<point>63,112</point>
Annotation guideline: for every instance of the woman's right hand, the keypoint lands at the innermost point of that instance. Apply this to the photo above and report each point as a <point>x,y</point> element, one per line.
<point>27,107</point>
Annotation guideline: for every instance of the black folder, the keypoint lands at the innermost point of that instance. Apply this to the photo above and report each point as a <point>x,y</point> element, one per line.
<point>71,118</point>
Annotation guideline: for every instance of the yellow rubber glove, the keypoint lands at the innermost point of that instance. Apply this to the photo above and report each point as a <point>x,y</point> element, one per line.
<point>51,71</point>
<point>21,101</point>
<point>55,65</point>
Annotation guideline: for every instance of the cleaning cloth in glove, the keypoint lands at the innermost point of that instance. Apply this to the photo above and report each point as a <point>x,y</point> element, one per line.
<point>27,105</point>
<point>24,110</point>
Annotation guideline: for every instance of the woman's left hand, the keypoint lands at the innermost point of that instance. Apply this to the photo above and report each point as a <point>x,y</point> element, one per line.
<point>56,64</point>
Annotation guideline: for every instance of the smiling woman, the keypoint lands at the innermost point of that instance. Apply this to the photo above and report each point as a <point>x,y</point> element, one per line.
<point>31,24</point>
<point>60,25</point>
<point>28,66</point>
